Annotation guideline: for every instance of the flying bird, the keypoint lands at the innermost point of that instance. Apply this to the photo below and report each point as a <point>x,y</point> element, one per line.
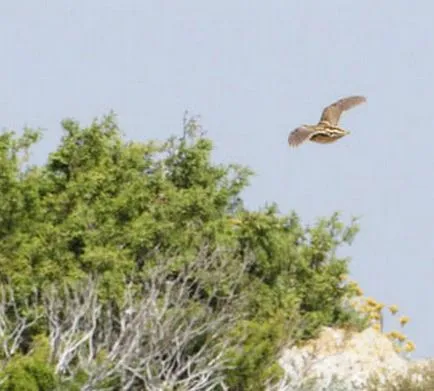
<point>326,130</point>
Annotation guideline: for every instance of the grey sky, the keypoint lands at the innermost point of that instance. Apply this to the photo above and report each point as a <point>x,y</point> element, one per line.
<point>253,71</point>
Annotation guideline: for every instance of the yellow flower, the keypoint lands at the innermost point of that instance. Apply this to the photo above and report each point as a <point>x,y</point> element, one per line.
<point>365,309</point>
<point>375,316</point>
<point>359,291</point>
<point>343,277</point>
<point>404,320</point>
<point>371,302</point>
<point>397,335</point>
<point>354,286</point>
<point>393,309</point>
<point>376,326</point>
<point>409,346</point>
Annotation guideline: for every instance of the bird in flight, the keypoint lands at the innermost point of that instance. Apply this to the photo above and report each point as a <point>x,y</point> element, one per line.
<point>326,130</point>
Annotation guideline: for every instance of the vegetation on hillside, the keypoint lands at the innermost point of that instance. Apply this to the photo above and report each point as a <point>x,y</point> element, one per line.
<point>135,265</point>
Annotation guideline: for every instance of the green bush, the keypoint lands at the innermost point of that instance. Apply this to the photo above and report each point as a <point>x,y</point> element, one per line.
<point>104,206</point>
<point>31,372</point>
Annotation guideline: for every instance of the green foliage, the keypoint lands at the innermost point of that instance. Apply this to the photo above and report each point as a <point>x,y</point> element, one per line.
<point>31,372</point>
<point>103,206</point>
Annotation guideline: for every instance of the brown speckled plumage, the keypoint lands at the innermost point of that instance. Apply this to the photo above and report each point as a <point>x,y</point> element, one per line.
<point>326,130</point>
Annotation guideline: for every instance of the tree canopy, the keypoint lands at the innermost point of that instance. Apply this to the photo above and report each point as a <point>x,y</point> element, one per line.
<point>114,211</point>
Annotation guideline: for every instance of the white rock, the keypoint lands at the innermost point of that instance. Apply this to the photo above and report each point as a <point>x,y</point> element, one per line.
<point>341,357</point>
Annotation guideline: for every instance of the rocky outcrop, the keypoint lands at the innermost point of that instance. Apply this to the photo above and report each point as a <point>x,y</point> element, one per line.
<point>342,360</point>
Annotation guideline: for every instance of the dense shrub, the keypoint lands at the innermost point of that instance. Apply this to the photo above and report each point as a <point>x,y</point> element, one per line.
<point>112,209</point>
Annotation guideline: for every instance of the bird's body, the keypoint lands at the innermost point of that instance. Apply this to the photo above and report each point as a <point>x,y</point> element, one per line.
<point>326,131</point>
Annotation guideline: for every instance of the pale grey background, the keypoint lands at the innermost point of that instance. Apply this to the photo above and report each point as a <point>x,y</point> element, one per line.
<point>254,70</point>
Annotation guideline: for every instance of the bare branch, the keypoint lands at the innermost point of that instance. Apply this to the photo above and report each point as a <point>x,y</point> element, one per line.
<point>170,332</point>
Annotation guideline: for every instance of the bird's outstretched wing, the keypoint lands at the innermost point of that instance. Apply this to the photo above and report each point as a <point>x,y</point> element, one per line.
<point>332,113</point>
<point>300,135</point>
